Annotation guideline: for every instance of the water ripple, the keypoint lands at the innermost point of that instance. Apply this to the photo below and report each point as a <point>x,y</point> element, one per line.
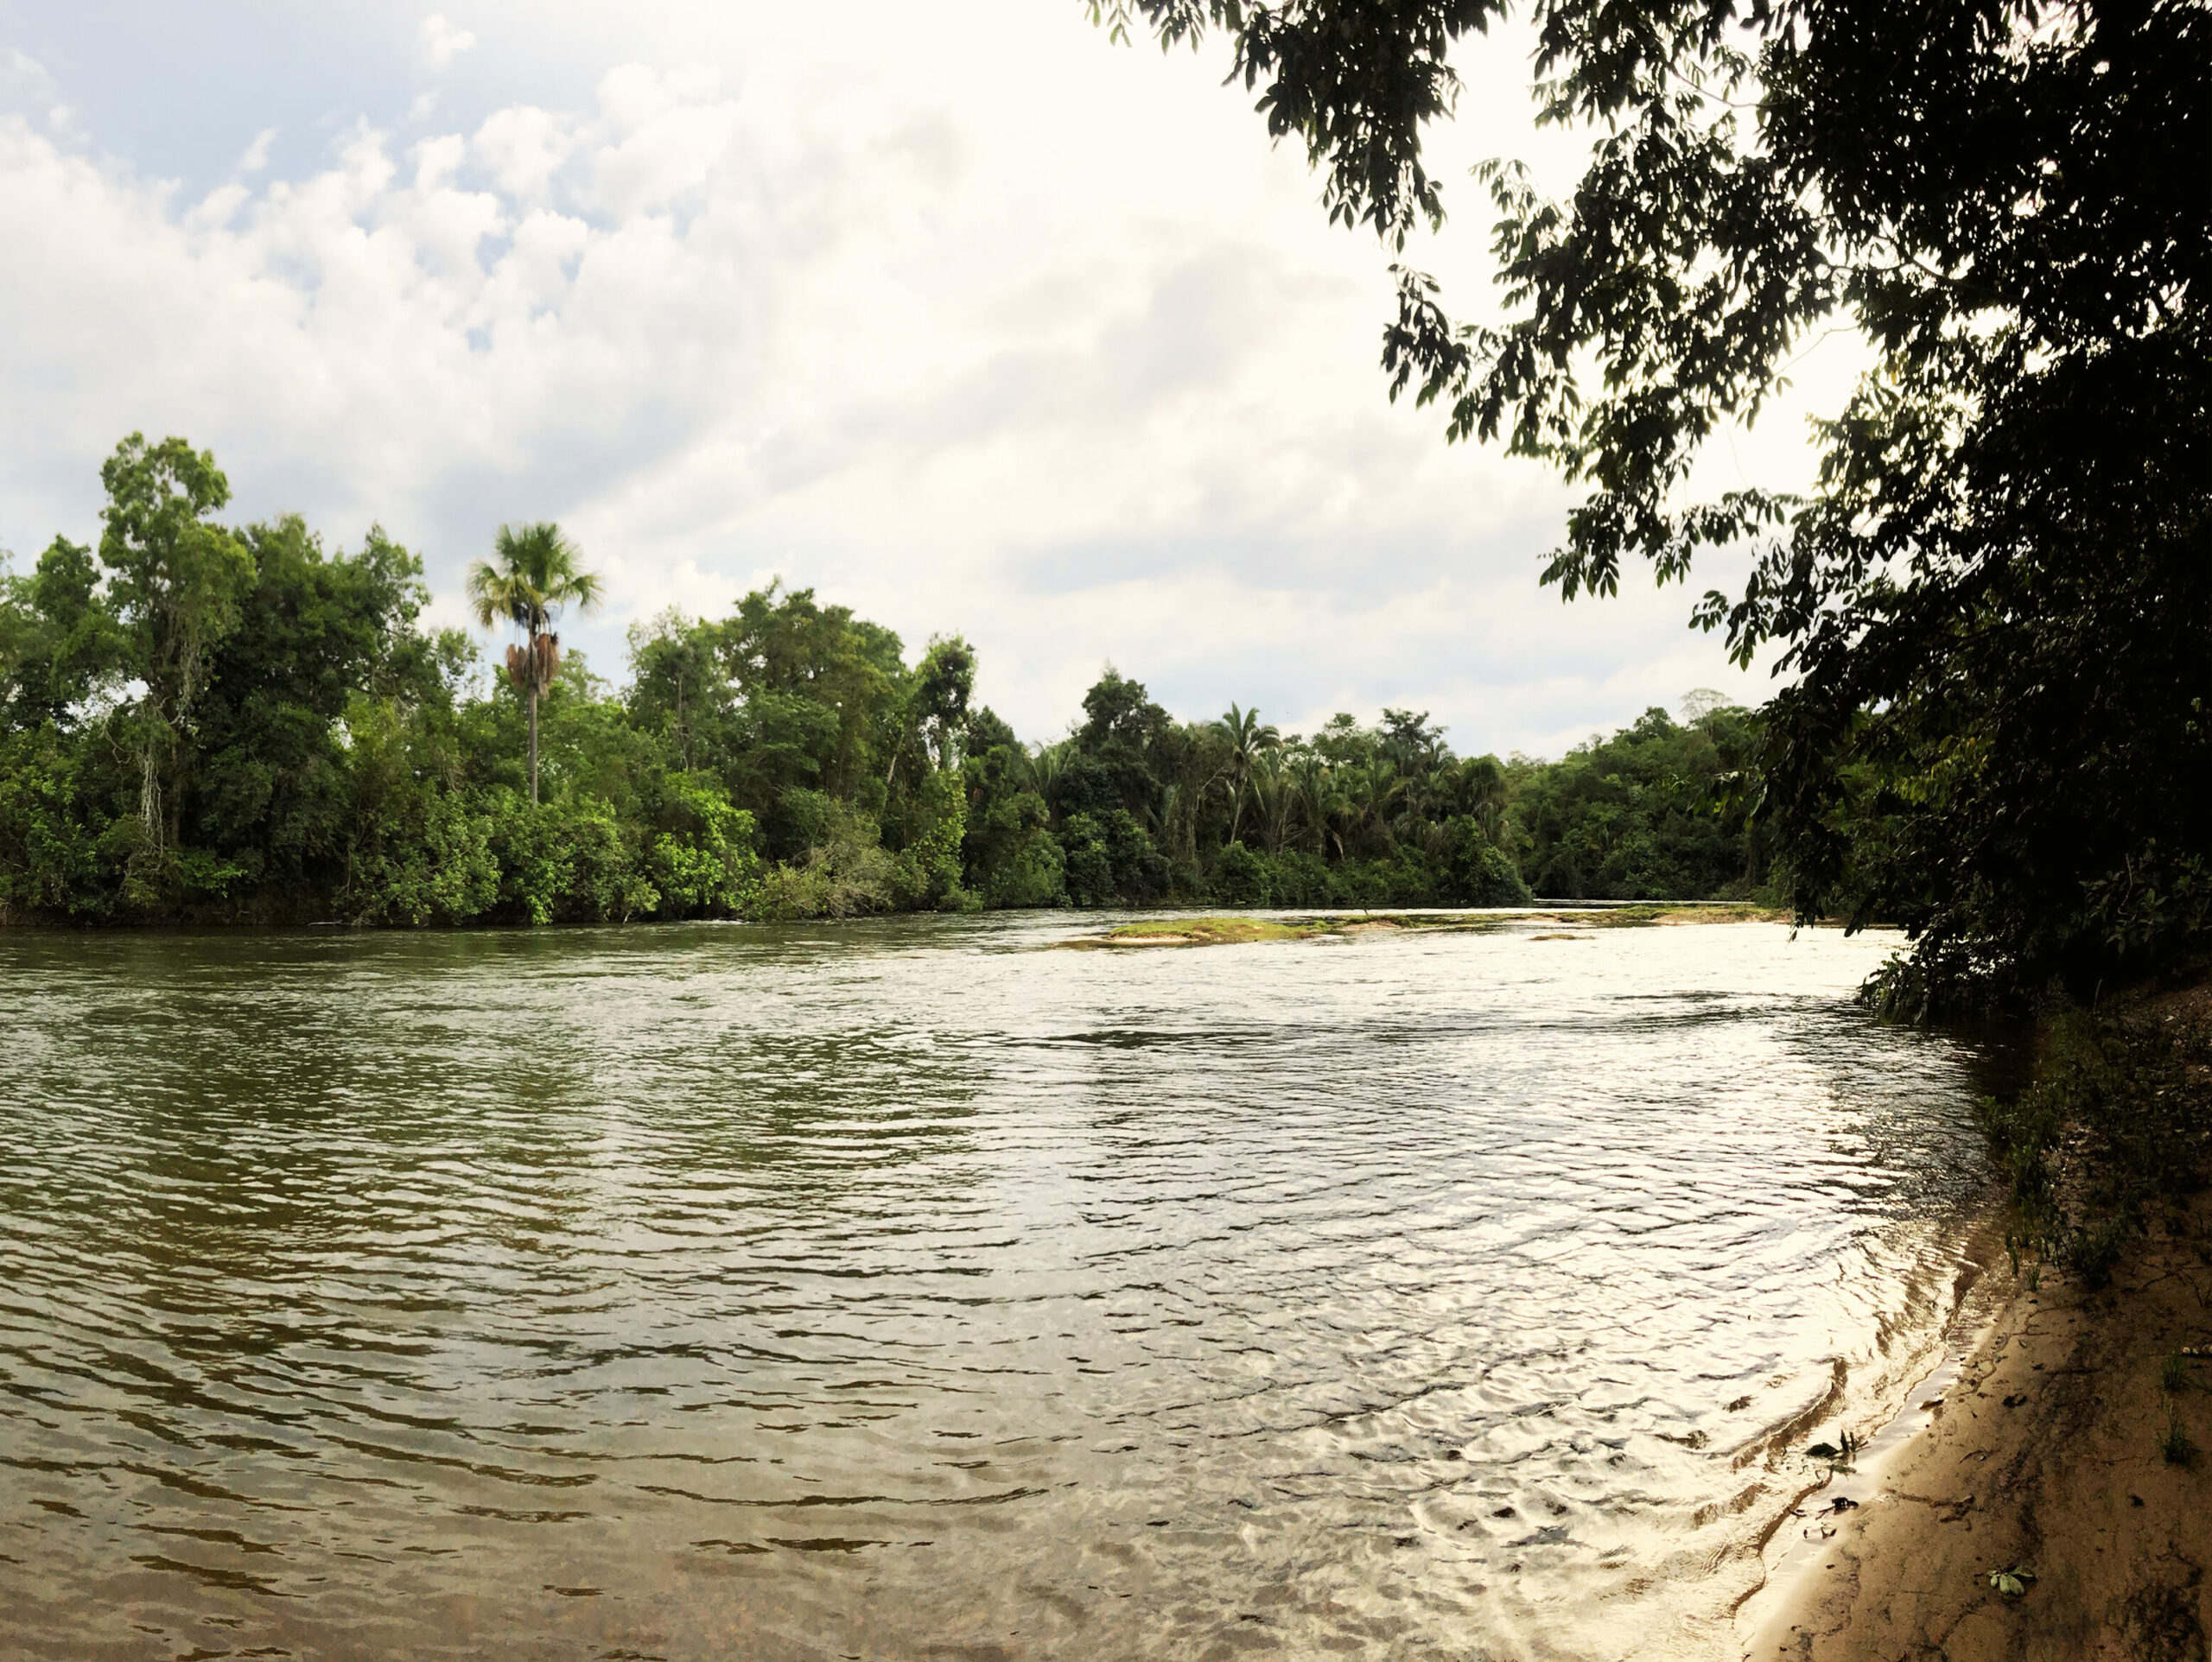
<point>894,1290</point>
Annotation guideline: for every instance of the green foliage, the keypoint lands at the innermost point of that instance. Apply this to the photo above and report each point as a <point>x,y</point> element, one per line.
<point>926,875</point>
<point>54,861</point>
<point>844,873</point>
<point>59,642</point>
<point>699,855</point>
<point>1243,878</point>
<point>1110,861</point>
<point>307,750</point>
<point>269,788</point>
<point>175,583</point>
<point>1008,853</point>
<point>1655,812</point>
<point>435,865</point>
<point>568,861</point>
<point>821,699</point>
<point>1477,871</point>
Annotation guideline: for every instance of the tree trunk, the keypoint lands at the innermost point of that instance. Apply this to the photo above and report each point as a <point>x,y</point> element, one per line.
<point>533,746</point>
<point>149,794</point>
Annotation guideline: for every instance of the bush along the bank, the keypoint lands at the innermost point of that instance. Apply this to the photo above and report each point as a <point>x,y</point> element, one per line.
<point>199,722</point>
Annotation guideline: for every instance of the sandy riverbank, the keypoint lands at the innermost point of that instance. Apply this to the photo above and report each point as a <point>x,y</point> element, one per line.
<point>2045,1451</point>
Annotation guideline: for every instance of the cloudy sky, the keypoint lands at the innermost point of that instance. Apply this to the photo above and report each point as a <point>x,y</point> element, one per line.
<point>955,313</point>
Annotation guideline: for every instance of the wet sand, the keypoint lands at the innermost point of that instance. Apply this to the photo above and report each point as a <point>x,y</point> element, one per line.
<point>2044,1452</point>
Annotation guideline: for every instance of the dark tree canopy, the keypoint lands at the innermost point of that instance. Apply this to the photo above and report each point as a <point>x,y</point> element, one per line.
<point>1994,611</point>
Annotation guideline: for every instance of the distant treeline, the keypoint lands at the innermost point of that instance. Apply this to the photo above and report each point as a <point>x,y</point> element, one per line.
<point>203,724</point>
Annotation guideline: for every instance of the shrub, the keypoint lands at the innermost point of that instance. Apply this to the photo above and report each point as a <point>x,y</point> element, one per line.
<point>846,874</point>
<point>1111,860</point>
<point>702,857</point>
<point>1242,878</point>
<point>1477,871</point>
<point>567,862</point>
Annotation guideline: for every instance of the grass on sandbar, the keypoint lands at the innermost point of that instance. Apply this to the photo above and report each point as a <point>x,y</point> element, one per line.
<point>1661,911</point>
<point>1205,932</point>
<point>1220,931</point>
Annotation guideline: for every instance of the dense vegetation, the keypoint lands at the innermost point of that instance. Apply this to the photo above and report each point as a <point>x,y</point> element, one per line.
<point>1994,607</point>
<point>199,722</point>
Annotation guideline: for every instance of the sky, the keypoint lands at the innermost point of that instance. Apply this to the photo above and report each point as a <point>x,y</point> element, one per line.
<point>958,315</point>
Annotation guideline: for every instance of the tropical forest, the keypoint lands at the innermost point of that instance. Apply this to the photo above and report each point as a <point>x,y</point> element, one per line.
<point>210,723</point>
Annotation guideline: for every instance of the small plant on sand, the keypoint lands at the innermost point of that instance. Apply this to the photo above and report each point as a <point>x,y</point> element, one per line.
<point>2178,1373</point>
<point>1841,1454</point>
<point>2175,1443</point>
<point>2012,1582</point>
<point>2090,1250</point>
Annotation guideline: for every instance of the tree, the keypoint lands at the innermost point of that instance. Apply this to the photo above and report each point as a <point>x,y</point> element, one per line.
<point>821,693</point>
<point>1115,762</point>
<point>677,683</point>
<point>1276,799</point>
<point>1648,813</point>
<point>936,704</point>
<point>59,639</point>
<point>1248,740</point>
<point>944,682</point>
<point>1010,857</point>
<point>270,791</point>
<point>1996,605</point>
<point>176,582</point>
<point>532,577</point>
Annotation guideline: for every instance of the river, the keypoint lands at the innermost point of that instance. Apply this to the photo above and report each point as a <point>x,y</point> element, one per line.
<point>909,1288</point>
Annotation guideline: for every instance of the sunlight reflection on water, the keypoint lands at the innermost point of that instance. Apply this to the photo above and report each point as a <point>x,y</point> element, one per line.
<point>878,1289</point>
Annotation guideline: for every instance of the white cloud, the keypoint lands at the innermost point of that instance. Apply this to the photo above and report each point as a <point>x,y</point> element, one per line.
<point>256,154</point>
<point>522,148</point>
<point>664,137</point>
<point>26,84</point>
<point>440,41</point>
<point>20,73</point>
<point>1049,347</point>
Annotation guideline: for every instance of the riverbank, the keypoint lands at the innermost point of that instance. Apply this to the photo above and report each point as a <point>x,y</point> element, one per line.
<point>2073,1442</point>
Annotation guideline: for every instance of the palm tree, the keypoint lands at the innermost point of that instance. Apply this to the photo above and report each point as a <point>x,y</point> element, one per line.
<point>1047,763</point>
<point>1313,789</point>
<point>1246,740</point>
<point>532,576</point>
<point>1482,784</point>
<point>1274,796</point>
<point>1364,810</point>
<point>1167,818</point>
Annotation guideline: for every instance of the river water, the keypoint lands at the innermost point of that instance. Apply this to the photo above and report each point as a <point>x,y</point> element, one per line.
<point>906,1290</point>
